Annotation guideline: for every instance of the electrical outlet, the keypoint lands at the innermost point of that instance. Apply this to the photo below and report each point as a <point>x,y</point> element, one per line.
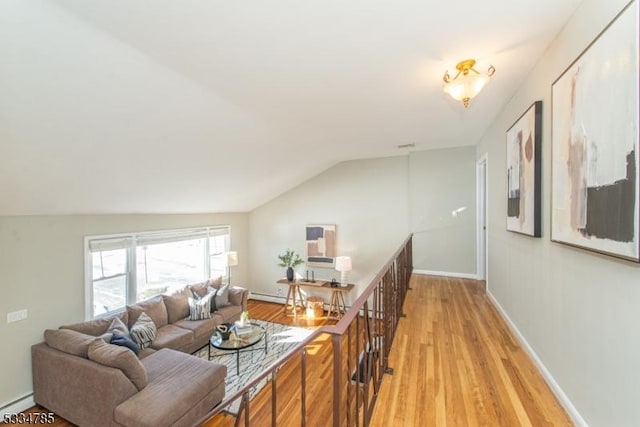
<point>279,291</point>
<point>15,316</point>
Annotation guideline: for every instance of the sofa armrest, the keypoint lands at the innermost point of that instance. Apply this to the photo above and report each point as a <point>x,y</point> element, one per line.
<point>78,389</point>
<point>239,296</point>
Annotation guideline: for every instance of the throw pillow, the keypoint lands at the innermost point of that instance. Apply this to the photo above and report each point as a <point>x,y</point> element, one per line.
<point>155,309</point>
<point>118,326</point>
<point>213,291</point>
<point>119,358</point>
<point>201,288</point>
<point>200,309</point>
<point>144,331</point>
<point>222,297</point>
<point>124,341</point>
<point>215,283</point>
<point>198,289</point>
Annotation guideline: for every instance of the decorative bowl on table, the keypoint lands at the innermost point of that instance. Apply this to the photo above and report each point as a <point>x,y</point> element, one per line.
<point>224,330</point>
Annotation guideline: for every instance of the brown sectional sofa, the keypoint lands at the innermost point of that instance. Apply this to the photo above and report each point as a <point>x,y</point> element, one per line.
<point>81,378</point>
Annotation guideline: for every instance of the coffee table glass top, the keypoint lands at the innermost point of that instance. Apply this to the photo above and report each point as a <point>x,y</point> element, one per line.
<point>238,342</point>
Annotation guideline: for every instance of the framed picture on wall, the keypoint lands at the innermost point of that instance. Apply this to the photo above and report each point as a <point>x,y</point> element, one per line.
<point>320,245</point>
<point>523,172</point>
<point>594,176</point>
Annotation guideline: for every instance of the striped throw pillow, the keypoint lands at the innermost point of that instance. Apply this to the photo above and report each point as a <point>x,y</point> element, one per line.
<point>144,331</point>
<point>200,308</point>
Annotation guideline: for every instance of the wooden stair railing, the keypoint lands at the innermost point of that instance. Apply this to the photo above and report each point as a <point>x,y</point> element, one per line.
<point>361,342</point>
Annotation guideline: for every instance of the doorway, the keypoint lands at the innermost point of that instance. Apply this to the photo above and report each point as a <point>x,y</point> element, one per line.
<point>482,249</point>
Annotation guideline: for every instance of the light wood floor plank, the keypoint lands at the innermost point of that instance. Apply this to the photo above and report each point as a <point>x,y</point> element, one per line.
<point>454,345</point>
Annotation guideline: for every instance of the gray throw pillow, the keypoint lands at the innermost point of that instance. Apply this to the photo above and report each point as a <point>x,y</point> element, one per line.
<point>213,291</point>
<point>118,326</point>
<point>222,297</point>
<point>144,331</point>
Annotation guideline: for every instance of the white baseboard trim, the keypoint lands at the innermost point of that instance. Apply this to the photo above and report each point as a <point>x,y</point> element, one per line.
<point>446,273</point>
<point>280,299</point>
<point>268,298</point>
<point>555,387</point>
<point>19,405</point>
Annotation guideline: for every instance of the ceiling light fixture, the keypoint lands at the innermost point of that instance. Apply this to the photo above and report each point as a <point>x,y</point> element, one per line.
<point>468,82</point>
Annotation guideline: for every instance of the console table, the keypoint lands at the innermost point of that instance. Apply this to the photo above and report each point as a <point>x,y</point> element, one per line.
<point>337,306</point>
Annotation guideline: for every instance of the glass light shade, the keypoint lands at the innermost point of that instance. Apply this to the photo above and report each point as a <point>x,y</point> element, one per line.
<point>343,263</point>
<point>466,86</point>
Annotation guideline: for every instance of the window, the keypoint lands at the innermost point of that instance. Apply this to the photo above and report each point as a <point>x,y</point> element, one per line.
<point>124,269</point>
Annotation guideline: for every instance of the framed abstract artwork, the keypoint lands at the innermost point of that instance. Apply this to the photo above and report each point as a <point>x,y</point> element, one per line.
<point>320,245</point>
<point>523,172</point>
<point>594,171</point>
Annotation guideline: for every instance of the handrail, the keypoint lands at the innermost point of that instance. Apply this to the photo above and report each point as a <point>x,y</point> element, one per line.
<point>359,339</point>
<point>340,327</point>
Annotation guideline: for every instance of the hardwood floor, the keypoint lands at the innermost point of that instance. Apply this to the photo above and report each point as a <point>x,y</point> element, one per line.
<point>455,364</point>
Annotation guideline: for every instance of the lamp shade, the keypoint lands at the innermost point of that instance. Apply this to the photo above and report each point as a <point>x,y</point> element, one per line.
<point>231,258</point>
<point>466,87</point>
<point>343,263</point>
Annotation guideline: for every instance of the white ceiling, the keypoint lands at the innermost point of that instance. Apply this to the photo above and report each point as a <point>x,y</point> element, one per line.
<point>123,106</point>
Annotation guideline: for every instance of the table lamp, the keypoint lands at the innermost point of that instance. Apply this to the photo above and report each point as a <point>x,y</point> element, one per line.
<point>343,265</point>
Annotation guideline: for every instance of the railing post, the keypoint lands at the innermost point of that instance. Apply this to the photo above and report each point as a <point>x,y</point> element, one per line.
<point>303,385</point>
<point>336,341</point>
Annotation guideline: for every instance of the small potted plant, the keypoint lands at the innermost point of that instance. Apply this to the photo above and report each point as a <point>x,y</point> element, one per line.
<point>289,259</point>
<point>244,318</point>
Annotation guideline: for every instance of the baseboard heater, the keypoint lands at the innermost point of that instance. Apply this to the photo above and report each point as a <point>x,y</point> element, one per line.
<point>21,404</point>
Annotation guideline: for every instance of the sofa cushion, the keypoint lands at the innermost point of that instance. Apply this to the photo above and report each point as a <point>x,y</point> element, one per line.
<point>121,358</point>
<point>177,304</point>
<point>177,383</point>
<point>199,327</point>
<point>229,314</point>
<point>146,352</point>
<point>155,309</point>
<point>97,327</point>
<point>124,341</point>
<point>170,336</point>
<point>144,331</point>
<point>69,341</point>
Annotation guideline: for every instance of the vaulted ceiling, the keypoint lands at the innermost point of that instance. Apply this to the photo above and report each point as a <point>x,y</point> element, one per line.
<point>131,106</point>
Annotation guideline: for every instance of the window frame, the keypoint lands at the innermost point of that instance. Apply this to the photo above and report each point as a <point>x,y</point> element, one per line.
<point>131,267</point>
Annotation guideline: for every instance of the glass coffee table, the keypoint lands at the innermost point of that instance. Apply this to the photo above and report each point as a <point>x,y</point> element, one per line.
<point>241,343</point>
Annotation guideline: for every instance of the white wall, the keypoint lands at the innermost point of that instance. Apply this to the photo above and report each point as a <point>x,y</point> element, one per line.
<point>42,270</point>
<point>366,199</point>
<point>579,311</point>
<point>441,181</point>
<point>375,203</point>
